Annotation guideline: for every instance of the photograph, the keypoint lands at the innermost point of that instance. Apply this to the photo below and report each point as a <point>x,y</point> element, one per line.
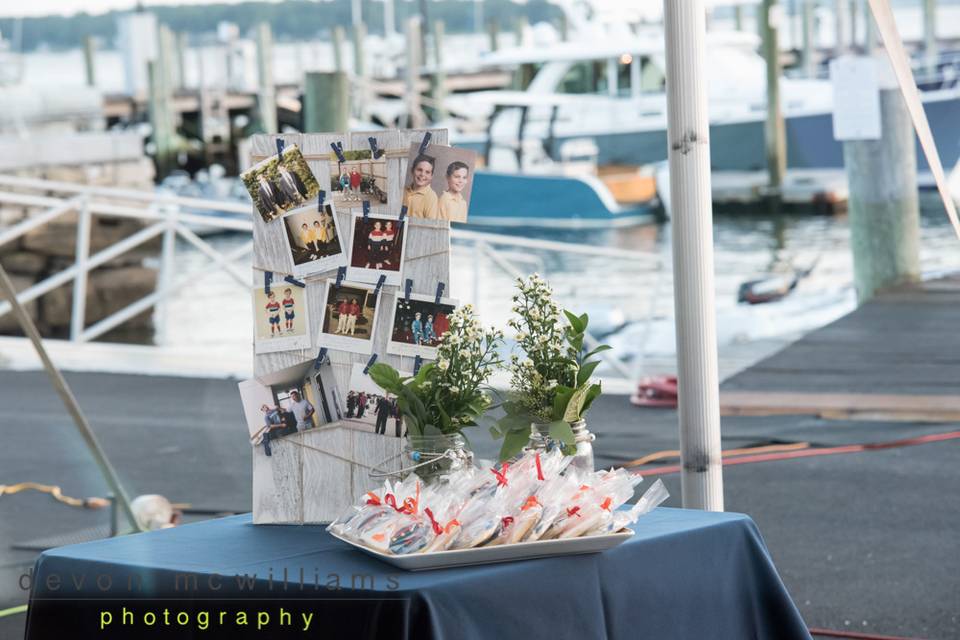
<point>280,318</point>
<point>349,317</point>
<point>370,408</point>
<point>314,240</point>
<point>290,401</point>
<point>376,249</point>
<point>438,182</point>
<point>418,324</point>
<point>361,177</point>
<point>277,186</point>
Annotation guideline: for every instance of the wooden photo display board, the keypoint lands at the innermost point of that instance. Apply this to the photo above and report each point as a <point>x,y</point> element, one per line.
<point>312,476</point>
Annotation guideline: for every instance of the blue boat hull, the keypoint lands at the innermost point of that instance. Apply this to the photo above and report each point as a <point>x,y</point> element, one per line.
<point>503,200</point>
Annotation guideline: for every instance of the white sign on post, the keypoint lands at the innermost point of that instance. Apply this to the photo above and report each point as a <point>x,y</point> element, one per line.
<point>856,98</point>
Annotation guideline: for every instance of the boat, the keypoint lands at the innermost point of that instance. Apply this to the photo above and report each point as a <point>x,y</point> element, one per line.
<point>611,90</point>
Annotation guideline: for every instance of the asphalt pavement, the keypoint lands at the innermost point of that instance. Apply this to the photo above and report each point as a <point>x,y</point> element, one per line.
<point>865,542</point>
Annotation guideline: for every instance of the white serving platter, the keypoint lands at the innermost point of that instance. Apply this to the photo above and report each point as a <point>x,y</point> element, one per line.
<point>500,553</point>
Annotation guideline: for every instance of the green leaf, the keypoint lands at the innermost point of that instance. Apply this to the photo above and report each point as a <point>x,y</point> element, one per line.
<point>586,371</point>
<point>592,395</point>
<point>513,443</point>
<point>576,322</point>
<point>445,423</point>
<point>431,430</point>
<point>386,377</point>
<point>561,400</point>
<point>600,349</point>
<point>561,432</point>
<point>575,407</point>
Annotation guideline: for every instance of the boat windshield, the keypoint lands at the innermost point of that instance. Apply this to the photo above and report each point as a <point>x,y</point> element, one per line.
<point>588,76</point>
<point>624,77</point>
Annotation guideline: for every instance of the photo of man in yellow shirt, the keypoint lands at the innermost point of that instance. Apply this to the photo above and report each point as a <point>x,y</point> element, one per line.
<point>418,197</point>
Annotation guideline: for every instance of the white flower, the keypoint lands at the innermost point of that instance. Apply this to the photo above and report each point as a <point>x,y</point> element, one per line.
<point>454,389</point>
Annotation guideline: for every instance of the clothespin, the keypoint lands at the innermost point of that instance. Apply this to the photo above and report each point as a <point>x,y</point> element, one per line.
<point>380,283</point>
<point>267,279</point>
<point>294,282</point>
<point>338,149</point>
<point>320,358</point>
<point>320,198</point>
<point>366,209</point>
<point>370,362</point>
<point>403,217</point>
<point>374,149</point>
<point>341,274</point>
<point>440,287</point>
<point>417,363</point>
<point>280,145</point>
<point>425,142</point>
<point>407,288</point>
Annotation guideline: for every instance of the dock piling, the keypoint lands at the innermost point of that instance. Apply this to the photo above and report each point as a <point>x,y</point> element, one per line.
<point>359,71</point>
<point>930,49</point>
<point>338,37</point>
<point>89,53</point>
<point>692,230</point>
<point>774,130</point>
<point>266,94</point>
<point>809,41</point>
<point>440,77</point>
<point>493,31</point>
<point>884,209</point>
<point>326,101</point>
<point>414,111</point>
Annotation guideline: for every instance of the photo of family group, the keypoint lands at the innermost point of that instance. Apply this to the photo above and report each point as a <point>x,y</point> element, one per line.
<point>377,247</point>
<point>418,324</point>
<point>349,317</point>
<point>314,240</point>
<point>288,402</point>
<point>438,182</point>
<point>360,177</point>
<point>280,318</point>
<point>370,408</point>
<point>279,184</point>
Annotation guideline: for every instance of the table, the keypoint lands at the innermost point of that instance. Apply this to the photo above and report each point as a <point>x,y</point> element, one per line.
<point>685,574</point>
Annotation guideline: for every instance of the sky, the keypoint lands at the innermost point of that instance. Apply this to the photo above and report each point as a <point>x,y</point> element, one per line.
<point>70,7</point>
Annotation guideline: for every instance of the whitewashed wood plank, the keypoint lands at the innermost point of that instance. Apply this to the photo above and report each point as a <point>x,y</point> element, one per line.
<point>277,497</point>
<point>328,489</point>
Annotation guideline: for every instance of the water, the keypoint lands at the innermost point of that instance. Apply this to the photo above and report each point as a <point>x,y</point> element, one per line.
<point>631,301</point>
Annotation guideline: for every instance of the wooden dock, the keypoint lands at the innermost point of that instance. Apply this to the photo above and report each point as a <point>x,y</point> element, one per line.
<point>894,358</point>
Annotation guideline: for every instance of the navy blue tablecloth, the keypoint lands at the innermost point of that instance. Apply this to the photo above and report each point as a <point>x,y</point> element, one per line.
<point>685,574</point>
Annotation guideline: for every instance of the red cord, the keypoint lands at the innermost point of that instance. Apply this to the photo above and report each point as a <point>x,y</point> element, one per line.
<point>807,453</point>
<point>830,633</point>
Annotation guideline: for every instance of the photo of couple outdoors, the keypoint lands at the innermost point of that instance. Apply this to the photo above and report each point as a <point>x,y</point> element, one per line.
<point>278,185</point>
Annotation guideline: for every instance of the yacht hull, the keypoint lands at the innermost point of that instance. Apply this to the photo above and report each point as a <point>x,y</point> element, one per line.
<point>739,146</point>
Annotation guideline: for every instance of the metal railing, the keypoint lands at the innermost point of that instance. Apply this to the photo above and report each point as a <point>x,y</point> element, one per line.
<point>173,218</point>
<point>165,216</point>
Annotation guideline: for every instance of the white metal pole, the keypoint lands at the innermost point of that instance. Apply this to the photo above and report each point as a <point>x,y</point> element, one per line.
<point>692,219</point>
<point>78,309</point>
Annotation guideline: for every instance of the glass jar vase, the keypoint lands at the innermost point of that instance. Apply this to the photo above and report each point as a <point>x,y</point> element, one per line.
<point>583,440</point>
<point>540,439</point>
<point>433,456</point>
